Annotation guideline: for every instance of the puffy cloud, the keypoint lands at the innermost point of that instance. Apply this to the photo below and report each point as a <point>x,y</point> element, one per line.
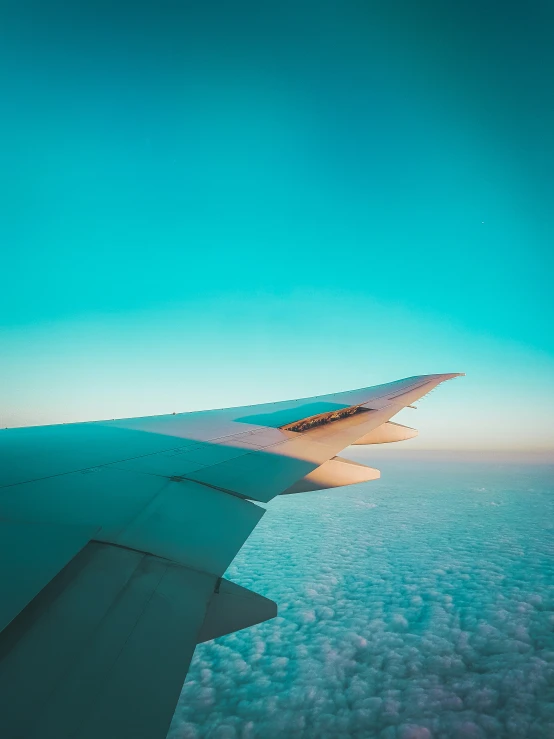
<point>409,608</point>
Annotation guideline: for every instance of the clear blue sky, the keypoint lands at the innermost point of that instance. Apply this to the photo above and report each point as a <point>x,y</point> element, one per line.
<point>213,204</point>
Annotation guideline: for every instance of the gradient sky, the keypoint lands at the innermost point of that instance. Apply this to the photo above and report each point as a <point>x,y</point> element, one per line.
<point>214,204</point>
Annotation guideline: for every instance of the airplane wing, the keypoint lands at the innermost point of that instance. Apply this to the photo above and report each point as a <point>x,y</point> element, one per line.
<point>115,535</point>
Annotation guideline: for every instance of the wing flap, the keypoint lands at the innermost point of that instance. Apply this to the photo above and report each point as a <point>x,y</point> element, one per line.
<point>193,525</point>
<point>104,649</point>
<point>233,608</point>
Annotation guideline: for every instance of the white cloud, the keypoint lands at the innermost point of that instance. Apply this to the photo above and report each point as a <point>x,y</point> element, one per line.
<point>446,629</point>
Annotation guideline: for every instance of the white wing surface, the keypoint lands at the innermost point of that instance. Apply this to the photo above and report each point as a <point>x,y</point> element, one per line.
<point>115,535</point>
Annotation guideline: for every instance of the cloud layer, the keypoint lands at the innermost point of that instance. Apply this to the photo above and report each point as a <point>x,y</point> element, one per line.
<point>418,606</point>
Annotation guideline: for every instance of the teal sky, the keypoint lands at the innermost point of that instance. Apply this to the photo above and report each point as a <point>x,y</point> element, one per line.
<point>215,204</point>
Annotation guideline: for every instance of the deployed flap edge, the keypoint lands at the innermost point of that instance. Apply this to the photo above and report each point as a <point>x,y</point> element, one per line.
<point>103,649</point>
<point>233,608</point>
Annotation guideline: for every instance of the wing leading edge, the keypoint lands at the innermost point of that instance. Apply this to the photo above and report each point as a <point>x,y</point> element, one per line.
<point>118,534</point>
